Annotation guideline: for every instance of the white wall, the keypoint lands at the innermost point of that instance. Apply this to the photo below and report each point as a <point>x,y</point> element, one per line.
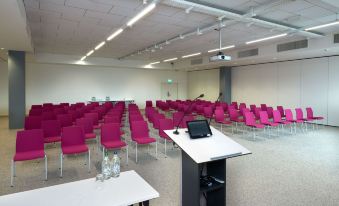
<point>3,89</point>
<point>204,82</point>
<point>70,83</point>
<point>300,83</point>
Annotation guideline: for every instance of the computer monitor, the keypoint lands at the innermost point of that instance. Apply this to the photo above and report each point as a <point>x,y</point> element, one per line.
<point>199,129</point>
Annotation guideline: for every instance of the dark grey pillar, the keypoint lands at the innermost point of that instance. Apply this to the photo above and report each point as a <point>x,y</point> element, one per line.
<point>16,89</point>
<point>225,83</point>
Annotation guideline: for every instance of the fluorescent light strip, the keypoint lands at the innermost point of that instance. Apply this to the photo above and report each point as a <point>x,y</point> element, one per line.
<point>223,48</point>
<point>191,55</point>
<point>322,26</point>
<point>89,53</point>
<point>267,38</point>
<point>141,14</point>
<point>83,58</point>
<point>154,63</point>
<point>100,45</point>
<point>116,33</point>
<point>169,60</point>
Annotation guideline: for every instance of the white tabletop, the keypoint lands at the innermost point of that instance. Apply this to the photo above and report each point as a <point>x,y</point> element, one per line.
<point>217,146</point>
<point>125,190</point>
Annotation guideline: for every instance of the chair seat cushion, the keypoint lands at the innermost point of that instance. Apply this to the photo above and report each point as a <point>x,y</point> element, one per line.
<point>113,144</point>
<point>29,155</point>
<point>145,140</point>
<point>97,126</point>
<point>52,139</point>
<point>74,149</point>
<point>90,136</point>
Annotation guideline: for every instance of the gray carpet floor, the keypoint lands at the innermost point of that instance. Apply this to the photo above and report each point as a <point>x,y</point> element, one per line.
<point>284,169</point>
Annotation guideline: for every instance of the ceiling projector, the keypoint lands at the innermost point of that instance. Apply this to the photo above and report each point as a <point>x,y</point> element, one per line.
<point>220,57</point>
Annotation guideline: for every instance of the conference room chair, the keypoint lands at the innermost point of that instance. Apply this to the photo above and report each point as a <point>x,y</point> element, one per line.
<point>220,118</point>
<point>235,105</point>
<point>157,118</point>
<point>252,108</point>
<point>111,138</point>
<point>263,107</point>
<point>47,105</point>
<point>186,119</point>
<point>269,111</point>
<point>35,112</point>
<point>49,115</point>
<point>208,112</point>
<point>32,122</point>
<point>234,117</point>
<point>251,122</point>
<point>52,131</point>
<point>300,116</point>
<point>73,142</point>
<point>140,135</point>
<point>264,120</point>
<point>29,146</point>
<point>281,110</point>
<point>176,117</point>
<point>65,120</point>
<point>87,125</point>
<point>165,124</point>
<point>241,106</point>
<point>289,117</point>
<point>58,111</point>
<point>257,113</point>
<point>309,115</point>
<point>278,119</point>
<point>95,118</point>
<point>36,106</point>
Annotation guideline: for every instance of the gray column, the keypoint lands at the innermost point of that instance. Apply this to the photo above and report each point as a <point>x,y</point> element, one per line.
<point>225,83</point>
<point>16,89</point>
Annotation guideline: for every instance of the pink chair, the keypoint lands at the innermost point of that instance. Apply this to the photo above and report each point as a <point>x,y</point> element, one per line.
<point>264,120</point>
<point>149,103</point>
<point>32,122</point>
<point>29,146</point>
<point>220,118</point>
<point>52,131</point>
<point>177,117</point>
<point>73,142</point>
<point>277,119</point>
<point>250,122</point>
<point>48,116</point>
<point>95,117</point>
<point>35,112</point>
<point>300,116</point>
<point>111,138</point>
<point>263,107</point>
<point>310,116</point>
<point>140,135</point>
<point>65,120</point>
<point>281,110</point>
<point>186,119</point>
<point>289,117</point>
<point>157,119</point>
<point>165,124</point>
<point>87,125</point>
<point>253,107</point>
<point>234,117</point>
<point>208,112</point>
<point>269,112</point>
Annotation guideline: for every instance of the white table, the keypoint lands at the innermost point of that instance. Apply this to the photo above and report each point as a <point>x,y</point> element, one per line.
<point>125,190</point>
<point>201,150</point>
<point>205,156</point>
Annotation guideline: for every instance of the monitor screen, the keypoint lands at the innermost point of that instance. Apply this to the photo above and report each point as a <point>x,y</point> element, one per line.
<point>199,129</point>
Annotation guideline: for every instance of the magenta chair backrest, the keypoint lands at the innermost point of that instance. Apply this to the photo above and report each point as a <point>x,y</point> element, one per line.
<point>243,110</point>
<point>309,113</point>
<point>51,128</point>
<point>235,105</point>
<point>157,118</point>
<point>36,106</point>
<point>86,124</point>
<point>48,116</point>
<point>276,116</point>
<point>72,136</point>
<point>186,119</point>
<point>257,113</point>
<point>148,103</point>
<point>110,132</point>
<point>208,112</point>
<point>65,120</point>
<point>137,117</point>
<point>270,112</point>
<point>253,107</point>
<point>33,122</point>
<point>139,129</point>
<point>241,106</point>
<point>35,112</point>
<point>281,110</point>
<point>263,107</point>
<point>165,124</point>
<point>112,119</point>
<point>289,115</point>
<point>233,114</point>
<point>177,117</point>
<point>29,140</point>
<point>224,106</point>
<point>263,117</point>
<point>58,111</point>
<point>249,119</point>
<point>94,116</point>
<point>299,113</point>
<point>219,115</point>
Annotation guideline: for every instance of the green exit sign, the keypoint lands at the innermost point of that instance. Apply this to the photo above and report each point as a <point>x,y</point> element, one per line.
<point>169,81</point>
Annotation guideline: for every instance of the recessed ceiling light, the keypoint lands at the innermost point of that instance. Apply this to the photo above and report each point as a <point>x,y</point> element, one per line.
<point>89,53</point>
<point>2,48</point>
<point>83,58</point>
<point>100,45</point>
<point>116,33</point>
<point>191,55</point>
<point>223,48</point>
<point>322,26</point>
<point>172,59</point>
<point>266,38</point>
<point>141,14</point>
<point>154,63</point>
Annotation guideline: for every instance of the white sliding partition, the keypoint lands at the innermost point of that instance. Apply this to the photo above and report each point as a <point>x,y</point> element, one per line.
<point>300,83</point>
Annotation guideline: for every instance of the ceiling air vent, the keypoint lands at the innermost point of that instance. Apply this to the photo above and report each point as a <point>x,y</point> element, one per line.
<point>292,45</point>
<point>336,38</point>
<point>196,61</point>
<point>248,53</point>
